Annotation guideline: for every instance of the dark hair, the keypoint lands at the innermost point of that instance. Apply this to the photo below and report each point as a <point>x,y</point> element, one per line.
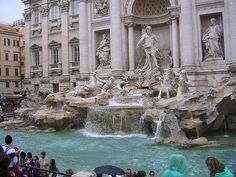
<point>214,165</point>
<point>69,172</point>
<point>22,157</point>
<point>4,164</point>
<point>8,139</point>
<point>53,166</point>
<point>128,169</point>
<point>36,157</point>
<point>43,153</point>
<point>152,172</point>
<point>1,149</point>
<point>99,174</point>
<point>139,173</point>
<point>29,154</point>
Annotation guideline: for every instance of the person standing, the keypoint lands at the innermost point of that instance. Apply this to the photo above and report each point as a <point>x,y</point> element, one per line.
<point>177,166</point>
<point>217,168</point>
<point>128,173</point>
<point>9,149</point>
<point>44,163</point>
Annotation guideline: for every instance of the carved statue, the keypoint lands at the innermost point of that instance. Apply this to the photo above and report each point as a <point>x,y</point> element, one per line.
<point>182,83</point>
<point>211,40</point>
<point>148,43</point>
<point>87,89</point>
<point>101,7</point>
<point>103,53</point>
<point>108,84</point>
<point>119,83</point>
<point>168,83</point>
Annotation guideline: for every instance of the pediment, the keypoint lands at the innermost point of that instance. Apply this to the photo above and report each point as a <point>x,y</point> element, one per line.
<point>54,44</point>
<point>74,40</point>
<point>35,47</point>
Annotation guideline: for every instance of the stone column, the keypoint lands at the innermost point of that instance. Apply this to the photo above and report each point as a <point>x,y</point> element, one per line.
<point>45,57</point>
<point>186,33</point>
<point>131,47</point>
<point>64,37</point>
<point>175,44</point>
<point>116,42</point>
<point>83,37</point>
<point>232,26</point>
<point>27,16</point>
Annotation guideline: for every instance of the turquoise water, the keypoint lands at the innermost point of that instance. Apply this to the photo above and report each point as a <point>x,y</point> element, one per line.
<point>79,151</point>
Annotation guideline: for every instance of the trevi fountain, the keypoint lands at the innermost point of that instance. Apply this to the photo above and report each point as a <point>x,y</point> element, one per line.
<point>138,117</point>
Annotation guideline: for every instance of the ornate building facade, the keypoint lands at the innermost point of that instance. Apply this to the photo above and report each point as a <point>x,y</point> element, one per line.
<point>11,56</point>
<point>68,40</point>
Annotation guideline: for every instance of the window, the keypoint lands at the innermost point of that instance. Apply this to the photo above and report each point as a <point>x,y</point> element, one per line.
<point>22,76</point>
<point>75,52</point>
<point>36,17</point>
<point>74,84</point>
<point>55,55</point>
<point>75,6</point>
<point>17,84</point>
<point>55,88</point>
<point>6,56</point>
<point>36,58</point>
<point>7,85</point>
<point>54,12</point>
<point>15,57</point>
<point>17,43</point>
<point>7,71</point>
<point>7,42</point>
<point>16,72</point>
<point>23,42</point>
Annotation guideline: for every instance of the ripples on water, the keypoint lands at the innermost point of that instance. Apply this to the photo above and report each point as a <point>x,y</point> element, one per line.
<point>81,150</point>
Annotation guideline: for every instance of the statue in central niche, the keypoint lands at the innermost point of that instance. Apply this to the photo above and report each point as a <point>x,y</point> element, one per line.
<point>148,42</point>
<point>103,53</point>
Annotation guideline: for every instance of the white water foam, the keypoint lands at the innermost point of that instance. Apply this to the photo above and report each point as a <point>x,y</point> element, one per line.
<point>96,135</point>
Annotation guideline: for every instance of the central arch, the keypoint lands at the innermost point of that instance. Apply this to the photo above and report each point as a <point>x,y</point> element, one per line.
<point>147,7</point>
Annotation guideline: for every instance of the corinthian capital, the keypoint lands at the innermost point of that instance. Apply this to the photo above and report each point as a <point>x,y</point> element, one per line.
<point>64,4</point>
<point>27,15</point>
<point>44,10</point>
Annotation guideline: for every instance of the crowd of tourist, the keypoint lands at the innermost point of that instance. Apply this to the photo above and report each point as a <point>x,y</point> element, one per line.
<point>14,163</point>
<point>178,164</point>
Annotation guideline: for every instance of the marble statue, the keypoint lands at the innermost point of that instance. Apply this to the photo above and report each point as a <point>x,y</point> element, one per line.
<point>107,84</point>
<point>103,53</point>
<point>211,40</point>
<point>182,83</point>
<point>87,89</point>
<point>101,7</point>
<point>168,83</point>
<point>148,42</point>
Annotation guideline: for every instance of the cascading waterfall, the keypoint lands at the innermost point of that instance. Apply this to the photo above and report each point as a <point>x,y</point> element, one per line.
<point>225,126</point>
<point>123,120</point>
<point>141,121</point>
<point>126,101</point>
<point>159,125</point>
